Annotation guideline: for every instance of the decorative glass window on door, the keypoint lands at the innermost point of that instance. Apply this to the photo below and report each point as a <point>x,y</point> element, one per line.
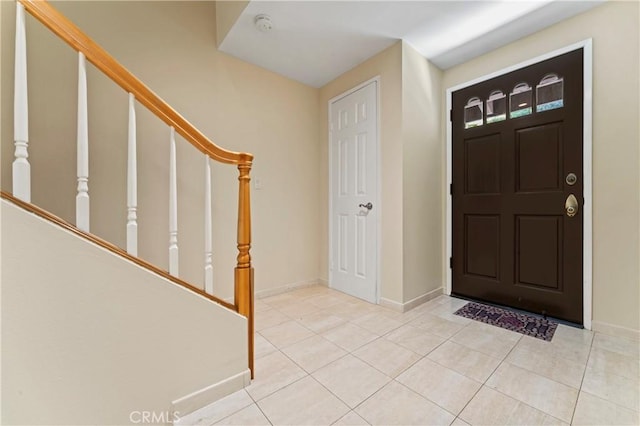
<point>520,101</point>
<point>549,93</point>
<point>496,107</point>
<point>473,113</point>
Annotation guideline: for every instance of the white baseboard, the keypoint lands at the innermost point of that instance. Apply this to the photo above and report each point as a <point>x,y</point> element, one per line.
<point>203,397</point>
<point>287,287</point>
<point>615,330</point>
<point>407,306</point>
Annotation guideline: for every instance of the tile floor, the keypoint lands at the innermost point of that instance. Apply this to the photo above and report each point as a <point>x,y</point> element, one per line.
<point>324,358</point>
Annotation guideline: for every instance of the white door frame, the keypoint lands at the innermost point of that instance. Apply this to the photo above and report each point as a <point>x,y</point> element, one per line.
<point>378,203</point>
<point>587,284</point>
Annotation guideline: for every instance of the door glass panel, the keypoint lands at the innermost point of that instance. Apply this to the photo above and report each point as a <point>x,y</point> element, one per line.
<point>496,107</point>
<point>520,101</point>
<point>549,93</point>
<point>473,113</point>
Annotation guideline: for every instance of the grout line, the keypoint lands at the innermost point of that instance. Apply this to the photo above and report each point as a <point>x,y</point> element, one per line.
<point>584,373</point>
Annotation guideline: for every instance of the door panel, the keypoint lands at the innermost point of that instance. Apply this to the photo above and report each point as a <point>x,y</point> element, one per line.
<point>515,139</point>
<point>353,185</point>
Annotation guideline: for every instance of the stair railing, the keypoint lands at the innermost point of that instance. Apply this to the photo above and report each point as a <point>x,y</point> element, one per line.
<point>88,50</point>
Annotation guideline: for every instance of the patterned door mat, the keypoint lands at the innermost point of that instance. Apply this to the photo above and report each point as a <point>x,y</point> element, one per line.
<point>528,325</point>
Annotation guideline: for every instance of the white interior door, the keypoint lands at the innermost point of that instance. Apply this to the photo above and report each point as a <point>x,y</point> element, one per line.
<point>354,193</point>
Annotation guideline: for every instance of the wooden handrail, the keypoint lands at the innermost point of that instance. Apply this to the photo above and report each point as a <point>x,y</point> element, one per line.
<point>111,247</point>
<point>78,40</point>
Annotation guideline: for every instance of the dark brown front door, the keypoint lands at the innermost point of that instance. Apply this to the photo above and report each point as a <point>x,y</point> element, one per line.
<point>517,160</point>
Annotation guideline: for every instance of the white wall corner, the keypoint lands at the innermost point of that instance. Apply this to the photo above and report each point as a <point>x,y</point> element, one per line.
<point>413,303</point>
<point>203,397</point>
<point>391,304</point>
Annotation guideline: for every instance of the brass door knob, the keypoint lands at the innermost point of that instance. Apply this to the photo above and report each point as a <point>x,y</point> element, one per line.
<point>571,205</point>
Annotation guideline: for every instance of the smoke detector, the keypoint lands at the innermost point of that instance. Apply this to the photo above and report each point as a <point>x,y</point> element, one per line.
<point>263,23</point>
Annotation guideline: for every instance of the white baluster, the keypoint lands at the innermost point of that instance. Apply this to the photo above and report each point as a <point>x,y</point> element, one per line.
<point>173,208</point>
<point>132,182</point>
<point>82,198</point>
<point>21,167</point>
<point>208,244</point>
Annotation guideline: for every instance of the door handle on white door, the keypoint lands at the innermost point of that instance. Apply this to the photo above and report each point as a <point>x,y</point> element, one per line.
<point>367,206</point>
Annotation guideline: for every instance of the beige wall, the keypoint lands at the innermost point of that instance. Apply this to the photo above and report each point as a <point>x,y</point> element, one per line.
<point>171,47</point>
<point>616,186</point>
<point>88,338</point>
<point>387,65</point>
<point>227,13</point>
<point>422,170</point>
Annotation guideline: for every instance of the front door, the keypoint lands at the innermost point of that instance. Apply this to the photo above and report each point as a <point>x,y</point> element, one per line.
<point>354,189</point>
<point>518,188</point>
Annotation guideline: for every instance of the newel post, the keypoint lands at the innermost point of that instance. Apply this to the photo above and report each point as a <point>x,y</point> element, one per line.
<point>244,271</point>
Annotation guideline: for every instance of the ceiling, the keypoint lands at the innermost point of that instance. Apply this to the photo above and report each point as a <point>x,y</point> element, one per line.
<point>316,41</point>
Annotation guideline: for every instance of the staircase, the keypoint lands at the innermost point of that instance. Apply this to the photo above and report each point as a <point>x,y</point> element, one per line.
<point>119,267</point>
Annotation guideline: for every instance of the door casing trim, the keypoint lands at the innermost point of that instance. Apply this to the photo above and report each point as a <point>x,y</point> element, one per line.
<point>587,153</point>
<point>378,225</point>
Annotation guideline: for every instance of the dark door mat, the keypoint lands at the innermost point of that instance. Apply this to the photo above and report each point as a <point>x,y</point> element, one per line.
<point>528,325</point>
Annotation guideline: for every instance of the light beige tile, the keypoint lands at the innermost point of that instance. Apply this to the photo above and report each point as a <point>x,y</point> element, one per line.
<point>542,393</point>
<point>611,387</point>
<point>561,370</point>
<point>273,372</point>
<point>450,390</point>
<point>327,300</point>
<point>349,336</point>
<point>305,402</point>
<point>313,353</point>
<point>321,321</point>
<point>614,363</point>
<point>281,300</point>
<point>269,318</point>
<point>592,410</point>
<point>573,334</point>
<point>387,356</point>
<point>617,344</point>
<point>262,346</point>
<point>351,379</point>
<point>403,317</point>
<point>313,290</point>
<point>468,362</point>
<point>436,325</point>
<point>299,309</point>
<point>559,348</point>
<point>396,405</point>
<point>415,339</point>
<point>459,422</point>
<point>286,333</point>
<point>247,416</point>
<point>484,339</point>
<point>218,410</point>
<point>351,419</point>
<point>427,307</point>
<point>377,323</point>
<point>260,306</point>
<point>345,296</point>
<point>352,310</point>
<point>489,407</point>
